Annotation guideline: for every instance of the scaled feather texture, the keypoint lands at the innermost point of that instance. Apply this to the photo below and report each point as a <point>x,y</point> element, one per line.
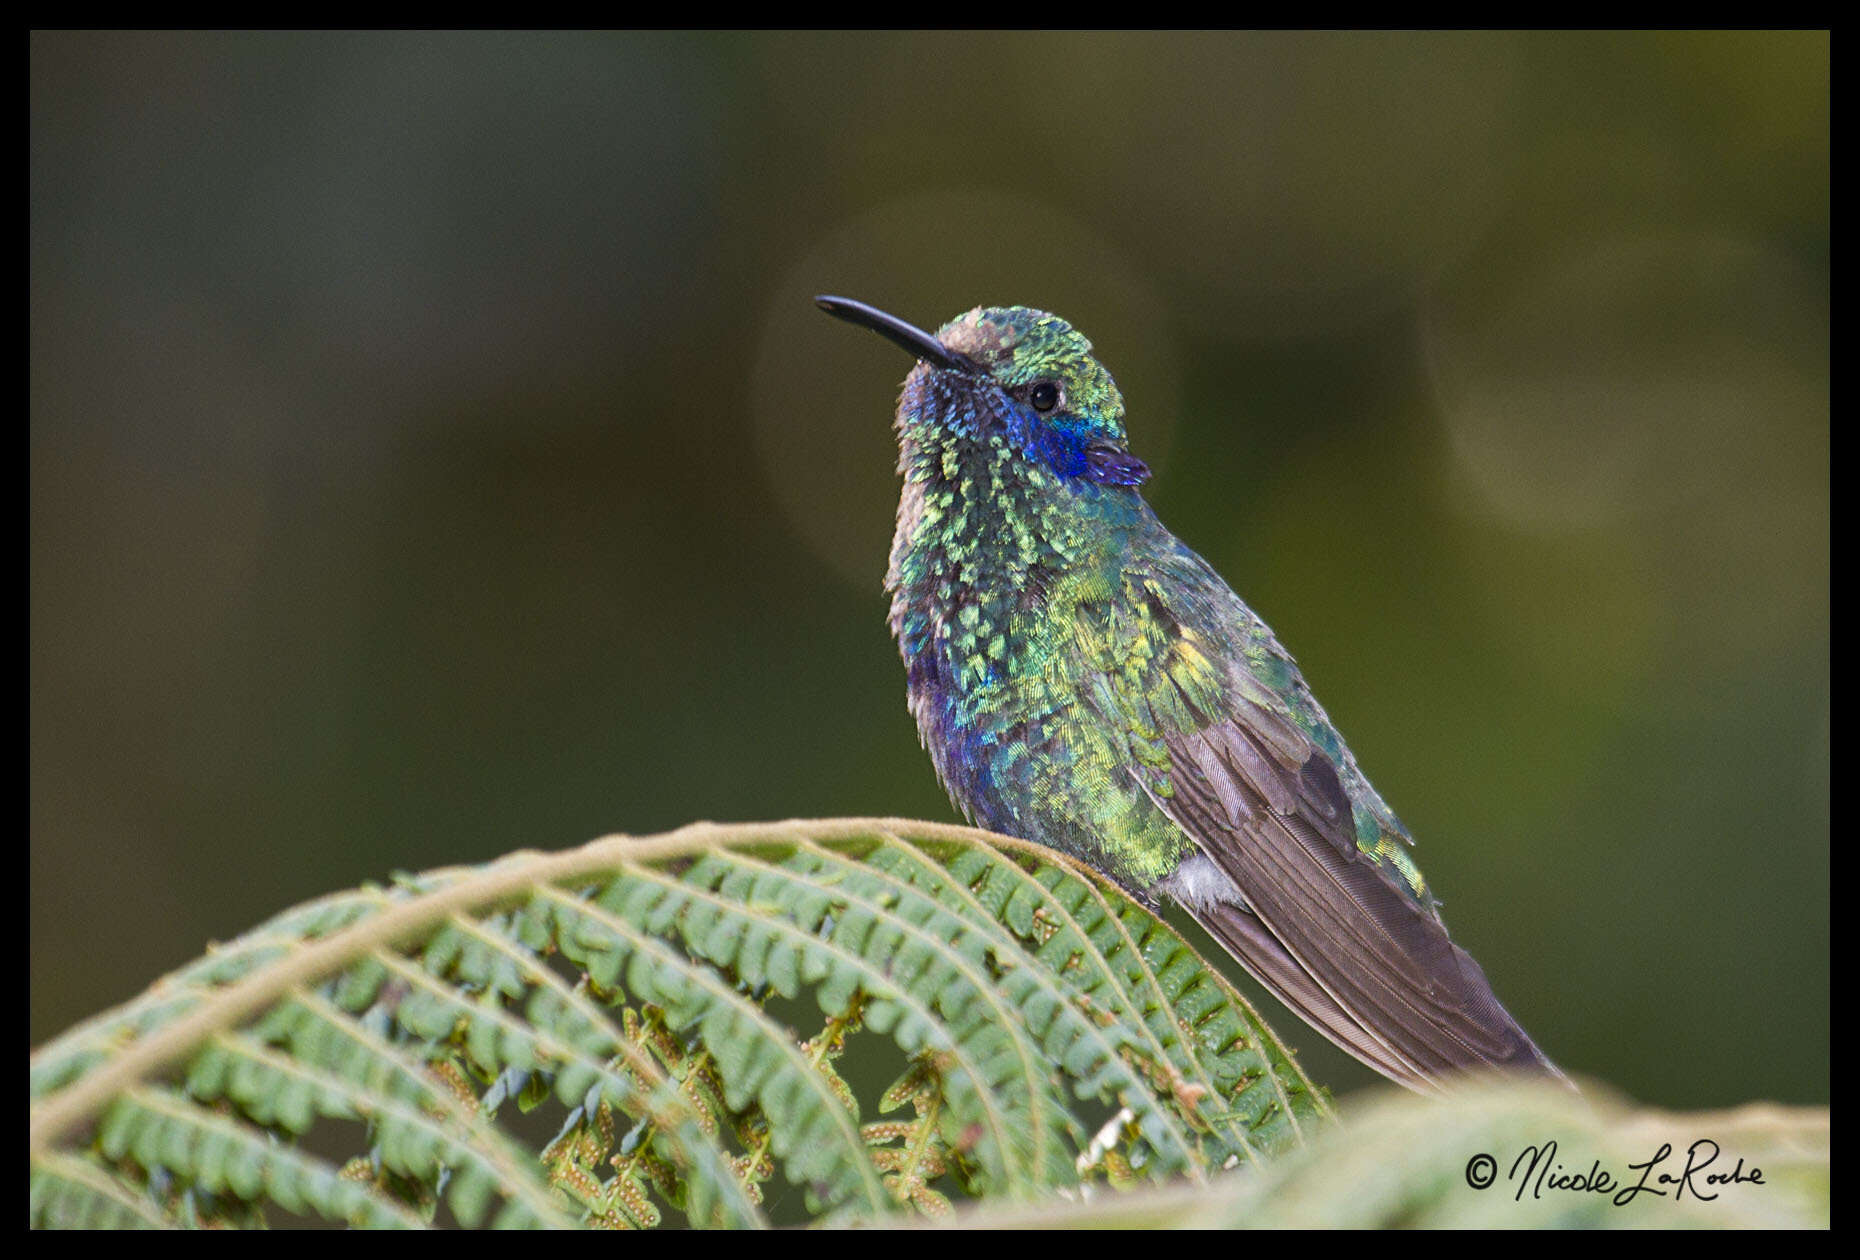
<point>1082,679</point>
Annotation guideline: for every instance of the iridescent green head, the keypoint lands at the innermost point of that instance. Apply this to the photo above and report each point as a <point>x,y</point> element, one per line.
<point>1017,372</point>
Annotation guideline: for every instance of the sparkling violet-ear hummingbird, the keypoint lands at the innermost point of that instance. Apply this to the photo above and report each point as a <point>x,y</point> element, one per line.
<point>1083,680</point>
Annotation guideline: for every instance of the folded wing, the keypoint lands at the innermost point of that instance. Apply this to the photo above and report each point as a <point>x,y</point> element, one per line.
<point>1329,931</point>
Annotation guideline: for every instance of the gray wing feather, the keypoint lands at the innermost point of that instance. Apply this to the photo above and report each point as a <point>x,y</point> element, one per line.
<point>1325,928</point>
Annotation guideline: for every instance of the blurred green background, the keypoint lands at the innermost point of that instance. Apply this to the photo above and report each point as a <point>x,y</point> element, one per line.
<point>434,452</point>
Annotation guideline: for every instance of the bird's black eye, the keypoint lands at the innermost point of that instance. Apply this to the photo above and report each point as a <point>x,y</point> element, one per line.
<point>1044,396</point>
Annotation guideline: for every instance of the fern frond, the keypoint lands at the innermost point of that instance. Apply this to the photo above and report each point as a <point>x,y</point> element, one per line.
<point>359,1058</point>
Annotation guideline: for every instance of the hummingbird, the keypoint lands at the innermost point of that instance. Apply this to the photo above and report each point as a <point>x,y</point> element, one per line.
<point>1083,680</point>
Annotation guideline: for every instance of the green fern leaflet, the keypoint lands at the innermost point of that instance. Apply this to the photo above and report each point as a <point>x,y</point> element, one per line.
<point>680,1029</point>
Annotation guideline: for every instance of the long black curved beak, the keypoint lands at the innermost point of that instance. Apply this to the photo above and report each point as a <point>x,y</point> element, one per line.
<point>890,327</point>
